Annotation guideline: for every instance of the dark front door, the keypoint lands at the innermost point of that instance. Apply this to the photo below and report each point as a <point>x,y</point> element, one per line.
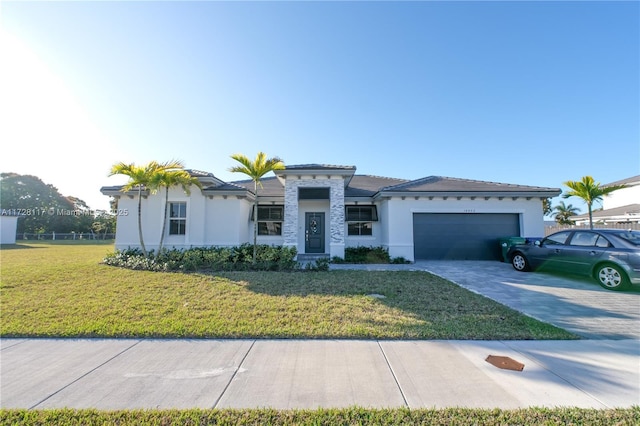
<point>314,233</point>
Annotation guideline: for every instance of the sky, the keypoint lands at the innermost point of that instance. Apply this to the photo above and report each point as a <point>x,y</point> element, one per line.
<point>529,93</point>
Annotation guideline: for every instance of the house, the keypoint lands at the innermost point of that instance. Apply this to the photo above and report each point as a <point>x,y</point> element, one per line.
<point>321,209</point>
<point>8,227</point>
<point>619,207</point>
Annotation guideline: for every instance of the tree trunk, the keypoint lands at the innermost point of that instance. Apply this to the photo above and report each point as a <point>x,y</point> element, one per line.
<point>144,249</point>
<point>255,222</point>
<point>590,216</point>
<point>164,223</point>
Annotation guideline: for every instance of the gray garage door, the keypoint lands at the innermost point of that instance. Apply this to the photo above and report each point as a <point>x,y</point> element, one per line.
<point>462,236</point>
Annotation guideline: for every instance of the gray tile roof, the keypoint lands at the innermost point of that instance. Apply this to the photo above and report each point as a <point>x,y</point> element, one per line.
<point>200,173</point>
<point>631,209</point>
<point>634,180</point>
<point>369,186</point>
<point>318,167</point>
<point>448,184</point>
<point>271,186</point>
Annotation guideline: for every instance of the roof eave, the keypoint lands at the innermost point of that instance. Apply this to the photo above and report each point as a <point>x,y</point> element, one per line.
<point>468,194</point>
<point>116,191</point>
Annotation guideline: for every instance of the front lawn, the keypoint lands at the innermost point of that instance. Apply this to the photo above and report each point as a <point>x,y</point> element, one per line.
<point>63,290</point>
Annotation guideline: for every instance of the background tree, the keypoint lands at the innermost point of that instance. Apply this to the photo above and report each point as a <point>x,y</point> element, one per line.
<point>563,213</point>
<point>104,223</point>
<point>141,178</point>
<point>45,209</point>
<point>256,169</point>
<point>546,206</point>
<point>167,179</point>
<point>590,191</point>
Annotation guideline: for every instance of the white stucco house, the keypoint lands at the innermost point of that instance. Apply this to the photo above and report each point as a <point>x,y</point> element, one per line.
<point>8,227</point>
<point>322,209</point>
<point>619,207</point>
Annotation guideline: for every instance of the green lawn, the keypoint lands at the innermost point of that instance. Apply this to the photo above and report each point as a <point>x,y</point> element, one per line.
<point>62,290</point>
<point>347,416</point>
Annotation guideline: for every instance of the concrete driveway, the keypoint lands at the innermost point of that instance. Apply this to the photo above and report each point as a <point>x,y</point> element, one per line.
<point>573,303</point>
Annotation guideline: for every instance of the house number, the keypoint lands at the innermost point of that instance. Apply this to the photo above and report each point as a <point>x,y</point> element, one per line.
<point>469,210</point>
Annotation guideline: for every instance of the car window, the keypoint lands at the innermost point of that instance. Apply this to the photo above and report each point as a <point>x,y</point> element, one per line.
<point>602,242</point>
<point>559,238</point>
<point>586,239</point>
<point>631,236</point>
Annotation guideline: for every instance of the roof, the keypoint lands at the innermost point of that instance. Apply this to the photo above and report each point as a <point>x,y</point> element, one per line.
<point>318,167</point>
<point>441,184</point>
<point>368,185</point>
<point>271,186</point>
<point>631,181</point>
<point>622,211</point>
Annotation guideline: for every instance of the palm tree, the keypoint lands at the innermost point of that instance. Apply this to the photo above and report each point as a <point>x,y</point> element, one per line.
<point>256,170</point>
<point>563,213</point>
<point>590,191</point>
<point>141,177</point>
<point>166,179</point>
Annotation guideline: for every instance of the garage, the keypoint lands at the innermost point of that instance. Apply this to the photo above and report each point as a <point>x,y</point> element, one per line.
<point>462,236</point>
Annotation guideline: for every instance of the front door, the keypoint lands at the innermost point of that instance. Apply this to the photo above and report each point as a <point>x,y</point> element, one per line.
<point>314,233</point>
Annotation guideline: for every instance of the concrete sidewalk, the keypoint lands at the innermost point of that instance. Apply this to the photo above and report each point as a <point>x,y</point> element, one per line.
<point>287,374</point>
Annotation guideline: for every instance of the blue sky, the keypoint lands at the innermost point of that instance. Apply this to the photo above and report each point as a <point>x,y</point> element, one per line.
<point>531,93</point>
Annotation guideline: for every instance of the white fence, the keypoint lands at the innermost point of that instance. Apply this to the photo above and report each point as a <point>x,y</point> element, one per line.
<point>56,236</point>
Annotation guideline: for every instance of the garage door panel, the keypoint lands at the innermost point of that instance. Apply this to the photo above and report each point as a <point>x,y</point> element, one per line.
<point>462,235</point>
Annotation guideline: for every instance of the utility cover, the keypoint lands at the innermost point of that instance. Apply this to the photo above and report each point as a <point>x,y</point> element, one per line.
<point>505,363</point>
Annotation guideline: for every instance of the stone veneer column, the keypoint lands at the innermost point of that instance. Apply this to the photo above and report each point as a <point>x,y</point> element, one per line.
<point>336,212</point>
<point>336,247</point>
<point>290,225</point>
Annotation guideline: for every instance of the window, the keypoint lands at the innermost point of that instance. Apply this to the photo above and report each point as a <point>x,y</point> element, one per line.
<point>270,220</point>
<point>586,239</point>
<point>602,242</point>
<point>360,228</point>
<point>314,193</point>
<point>177,218</point>
<point>559,238</point>
<point>360,219</point>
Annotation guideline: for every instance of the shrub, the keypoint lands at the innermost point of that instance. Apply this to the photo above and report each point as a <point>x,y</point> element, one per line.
<point>268,258</point>
<point>321,264</point>
<point>364,254</point>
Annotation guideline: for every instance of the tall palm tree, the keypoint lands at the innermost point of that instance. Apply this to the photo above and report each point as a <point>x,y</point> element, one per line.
<point>140,177</point>
<point>590,191</point>
<point>563,213</point>
<point>166,179</point>
<point>256,169</point>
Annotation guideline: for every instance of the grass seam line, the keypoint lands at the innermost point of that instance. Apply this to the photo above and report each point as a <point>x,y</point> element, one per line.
<point>395,378</point>
<point>233,376</point>
<point>84,375</point>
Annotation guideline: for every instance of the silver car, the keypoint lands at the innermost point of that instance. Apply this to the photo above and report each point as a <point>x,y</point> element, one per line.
<point>611,256</point>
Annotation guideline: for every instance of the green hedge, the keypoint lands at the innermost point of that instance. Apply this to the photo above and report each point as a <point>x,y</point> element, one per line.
<point>364,254</point>
<point>239,258</point>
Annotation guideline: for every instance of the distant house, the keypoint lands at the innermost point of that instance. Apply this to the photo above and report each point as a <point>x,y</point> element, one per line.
<point>321,209</point>
<point>619,207</point>
<point>8,227</point>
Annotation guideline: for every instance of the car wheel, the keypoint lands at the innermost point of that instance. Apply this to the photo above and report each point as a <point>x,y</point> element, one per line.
<point>611,277</point>
<point>519,262</point>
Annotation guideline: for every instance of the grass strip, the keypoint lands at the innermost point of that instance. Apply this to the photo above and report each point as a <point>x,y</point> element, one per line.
<point>346,416</point>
